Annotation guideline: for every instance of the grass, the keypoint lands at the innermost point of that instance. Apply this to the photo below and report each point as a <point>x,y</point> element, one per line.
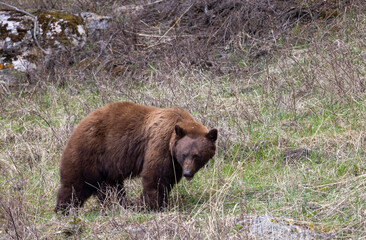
<point>311,98</point>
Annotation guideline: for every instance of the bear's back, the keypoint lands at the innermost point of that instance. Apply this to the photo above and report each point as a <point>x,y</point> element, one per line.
<point>112,140</point>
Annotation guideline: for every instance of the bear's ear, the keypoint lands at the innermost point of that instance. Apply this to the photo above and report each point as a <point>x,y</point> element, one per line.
<point>179,131</point>
<point>212,135</point>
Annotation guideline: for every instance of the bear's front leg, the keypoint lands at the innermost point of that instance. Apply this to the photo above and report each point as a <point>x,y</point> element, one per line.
<point>71,196</point>
<point>155,192</point>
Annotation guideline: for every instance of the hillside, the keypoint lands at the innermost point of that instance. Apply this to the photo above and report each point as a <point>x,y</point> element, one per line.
<point>283,81</point>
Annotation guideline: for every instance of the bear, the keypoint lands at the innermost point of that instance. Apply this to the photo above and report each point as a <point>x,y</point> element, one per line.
<point>125,140</point>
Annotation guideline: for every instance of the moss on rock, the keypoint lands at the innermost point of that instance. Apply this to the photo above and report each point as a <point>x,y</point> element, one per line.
<point>56,31</point>
<point>59,27</point>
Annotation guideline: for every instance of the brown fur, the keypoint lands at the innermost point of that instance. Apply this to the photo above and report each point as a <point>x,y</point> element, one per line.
<point>123,140</point>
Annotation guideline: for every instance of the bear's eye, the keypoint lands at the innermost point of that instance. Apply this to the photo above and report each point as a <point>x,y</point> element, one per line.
<point>184,156</point>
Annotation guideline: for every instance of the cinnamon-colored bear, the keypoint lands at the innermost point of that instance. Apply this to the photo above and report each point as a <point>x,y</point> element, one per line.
<point>125,140</point>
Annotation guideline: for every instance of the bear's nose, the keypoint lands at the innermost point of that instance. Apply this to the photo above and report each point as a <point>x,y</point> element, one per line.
<point>187,173</point>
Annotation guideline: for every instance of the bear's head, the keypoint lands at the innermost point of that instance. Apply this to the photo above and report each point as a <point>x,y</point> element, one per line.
<point>194,146</point>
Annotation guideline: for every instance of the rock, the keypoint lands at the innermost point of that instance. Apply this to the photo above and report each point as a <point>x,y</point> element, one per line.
<point>135,229</point>
<point>60,30</point>
<point>267,227</point>
<point>56,32</point>
<point>16,38</point>
<point>94,22</point>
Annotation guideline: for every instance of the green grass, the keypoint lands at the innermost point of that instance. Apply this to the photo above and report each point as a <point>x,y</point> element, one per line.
<point>248,175</point>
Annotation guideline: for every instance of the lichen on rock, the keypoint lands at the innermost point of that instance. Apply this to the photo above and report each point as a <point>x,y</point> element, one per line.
<point>59,30</point>
<point>94,22</point>
<point>16,34</point>
<point>56,31</point>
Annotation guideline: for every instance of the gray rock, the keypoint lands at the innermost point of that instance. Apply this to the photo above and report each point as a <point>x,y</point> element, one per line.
<point>135,229</point>
<point>16,39</point>
<point>56,32</point>
<point>271,228</point>
<point>94,22</point>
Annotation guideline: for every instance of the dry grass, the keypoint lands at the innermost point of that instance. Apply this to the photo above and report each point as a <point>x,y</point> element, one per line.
<point>308,96</point>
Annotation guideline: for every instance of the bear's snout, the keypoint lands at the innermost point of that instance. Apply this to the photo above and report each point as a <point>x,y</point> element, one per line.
<point>188,174</point>
<point>189,169</point>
